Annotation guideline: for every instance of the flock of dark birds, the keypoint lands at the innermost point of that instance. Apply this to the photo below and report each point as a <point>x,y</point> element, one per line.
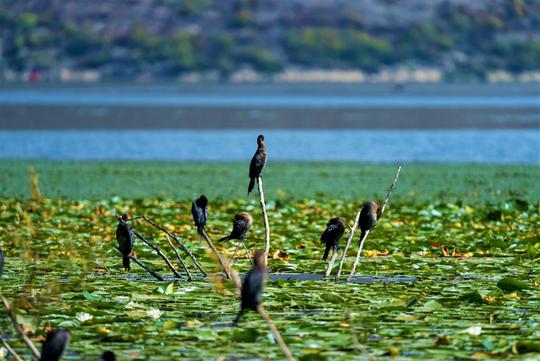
<point>253,284</point>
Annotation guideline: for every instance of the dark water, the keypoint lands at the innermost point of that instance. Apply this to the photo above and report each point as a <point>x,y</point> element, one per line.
<point>456,146</point>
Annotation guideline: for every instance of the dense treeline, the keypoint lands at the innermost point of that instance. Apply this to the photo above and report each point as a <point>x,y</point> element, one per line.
<point>457,39</point>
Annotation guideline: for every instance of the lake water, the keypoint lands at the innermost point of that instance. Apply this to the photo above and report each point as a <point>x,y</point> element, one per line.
<point>456,146</point>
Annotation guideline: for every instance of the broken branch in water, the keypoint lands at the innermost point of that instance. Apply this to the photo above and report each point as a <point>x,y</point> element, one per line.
<point>347,245</point>
<point>146,268</point>
<point>179,258</point>
<point>265,219</point>
<point>10,350</point>
<point>361,244</point>
<point>281,343</point>
<point>18,329</point>
<point>217,254</point>
<point>195,262</point>
<point>158,251</point>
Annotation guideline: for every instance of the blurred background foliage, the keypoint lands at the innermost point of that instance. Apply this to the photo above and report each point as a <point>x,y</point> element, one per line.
<point>164,38</point>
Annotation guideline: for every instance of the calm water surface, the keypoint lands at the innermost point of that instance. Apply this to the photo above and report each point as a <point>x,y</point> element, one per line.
<point>457,146</point>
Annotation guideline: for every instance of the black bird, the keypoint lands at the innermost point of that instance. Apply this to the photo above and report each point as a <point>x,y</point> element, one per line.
<point>108,356</point>
<point>1,261</point>
<point>199,210</point>
<point>253,286</point>
<point>55,344</point>
<point>332,234</point>
<point>257,162</point>
<point>369,214</point>
<point>241,223</point>
<point>126,239</point>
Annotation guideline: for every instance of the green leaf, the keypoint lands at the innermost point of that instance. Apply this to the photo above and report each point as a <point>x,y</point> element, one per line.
<point>333,298</point>
<point>91,296</point>
<point>510,284</point>
<point>472,297</point>
<point>166,289</point>
<point>522,347</point>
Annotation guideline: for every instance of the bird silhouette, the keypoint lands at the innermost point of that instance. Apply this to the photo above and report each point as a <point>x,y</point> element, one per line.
<point>108,356</point>
<point>199,210</point>
<point>257,163</point>
<point>241,223</point>
<point>253,286</point>
<point>126,240</point>
<point>55,344</point>
<point>332,234</point>
<point>369,215</point>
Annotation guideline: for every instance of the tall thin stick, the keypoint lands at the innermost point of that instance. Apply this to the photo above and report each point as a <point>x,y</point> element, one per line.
<point>216,253</point>
<point>158,251</point>
<point>282,345</point>
<point>146,268</point>
<point>18,329</point>
<point>361,245</point>
<point>179,258</point>
<point>10,350</point>
<point>331,264</point>
<point>349,240</point>
<point>265,218</point>
<point>195,262</point>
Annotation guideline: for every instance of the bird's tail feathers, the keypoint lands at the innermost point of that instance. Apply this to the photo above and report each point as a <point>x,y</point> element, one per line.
<point>326,251</point>
<point>238,317</point>
<point>125,261</point>
<point>251,184</point>
<point>226,238</point>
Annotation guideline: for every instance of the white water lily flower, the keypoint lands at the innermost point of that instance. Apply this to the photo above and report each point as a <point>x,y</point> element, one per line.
<point>474,330</point>
<point>83,316</point>
<point>153,313</point>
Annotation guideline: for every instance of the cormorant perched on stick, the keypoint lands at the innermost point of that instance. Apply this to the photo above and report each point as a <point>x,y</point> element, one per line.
<point>126,240</point>
<point>257,163</point>
<point>241,223</point>
<point>253,285</point>
<point>55,344</point>
<point>199,210</point>
<point>369,214</point>
<point>332,234</point>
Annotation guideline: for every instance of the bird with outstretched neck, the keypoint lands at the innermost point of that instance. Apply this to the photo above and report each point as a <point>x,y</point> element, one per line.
<point>108,356</point>
<point>241,223</point>
<point>199,210</point>
<point>257,163</point>
<point>369,215</point>
<point>126,239</point>
<point>253,286</point>
<point>55,344</point>
<point>332,234</point>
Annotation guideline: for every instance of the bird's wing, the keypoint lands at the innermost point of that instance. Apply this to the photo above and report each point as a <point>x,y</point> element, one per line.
<point>253,288</point>
<point>330,233</point>
<point>239,226</point>
<point>198,215</point>
<point>257,164</point>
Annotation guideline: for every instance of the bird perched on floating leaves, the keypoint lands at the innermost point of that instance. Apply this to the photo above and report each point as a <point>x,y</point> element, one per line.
<point>253,286</point>
<point>332,234</point>
<point>241,223</point>
<point>369,214</point>
<point>108,356</point>
<point>257,163</point>
<point>55,344</point>
<point>199,210</point>
<point>126,239</point>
